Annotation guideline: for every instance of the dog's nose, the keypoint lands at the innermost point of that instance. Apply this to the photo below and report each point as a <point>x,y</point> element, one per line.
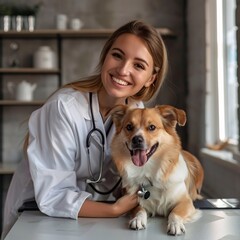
<point>137,141</point>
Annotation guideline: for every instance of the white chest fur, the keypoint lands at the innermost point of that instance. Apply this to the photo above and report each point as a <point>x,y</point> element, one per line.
<point>163,193</point>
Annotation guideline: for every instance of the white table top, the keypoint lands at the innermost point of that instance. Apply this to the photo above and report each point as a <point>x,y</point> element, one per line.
<point>213,225</point>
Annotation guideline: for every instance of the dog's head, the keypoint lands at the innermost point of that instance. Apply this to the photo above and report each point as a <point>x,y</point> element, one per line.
<point>143,132</point>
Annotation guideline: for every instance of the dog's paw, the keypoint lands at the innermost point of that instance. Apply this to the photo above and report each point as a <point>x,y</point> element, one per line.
<point>176,228</point>
<point>139,221</point>
<point>175,225</point>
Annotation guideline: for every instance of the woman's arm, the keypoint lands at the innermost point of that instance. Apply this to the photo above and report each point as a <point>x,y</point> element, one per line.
<point>99,209</point>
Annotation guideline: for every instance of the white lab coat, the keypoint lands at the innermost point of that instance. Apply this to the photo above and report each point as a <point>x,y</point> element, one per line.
<point>57,167</point>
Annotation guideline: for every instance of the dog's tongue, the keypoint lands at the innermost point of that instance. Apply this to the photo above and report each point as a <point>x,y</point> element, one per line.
<point>139,157</point>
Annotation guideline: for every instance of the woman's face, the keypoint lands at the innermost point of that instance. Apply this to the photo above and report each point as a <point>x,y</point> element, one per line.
<point>128,67</point>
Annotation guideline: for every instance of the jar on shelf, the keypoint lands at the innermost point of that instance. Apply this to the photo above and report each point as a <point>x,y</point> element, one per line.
<point>44,58</point>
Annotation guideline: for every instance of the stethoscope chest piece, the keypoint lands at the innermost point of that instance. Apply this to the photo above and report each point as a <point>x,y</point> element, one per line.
<point>143,193</point>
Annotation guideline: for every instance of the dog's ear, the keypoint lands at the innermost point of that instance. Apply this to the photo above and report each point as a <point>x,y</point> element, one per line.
<point>117,114</point>
<point>172,115</point>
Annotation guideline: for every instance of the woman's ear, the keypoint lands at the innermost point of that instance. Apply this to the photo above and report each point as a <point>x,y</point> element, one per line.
<point>150,81</point>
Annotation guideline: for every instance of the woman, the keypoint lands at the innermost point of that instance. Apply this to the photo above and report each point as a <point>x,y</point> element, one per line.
<point>68,171</point>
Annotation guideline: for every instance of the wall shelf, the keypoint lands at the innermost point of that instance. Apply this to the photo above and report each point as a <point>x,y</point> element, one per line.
<point>87,33</point>
<point>21,103</point>
<point>7,168</point>
<point>28,71</point>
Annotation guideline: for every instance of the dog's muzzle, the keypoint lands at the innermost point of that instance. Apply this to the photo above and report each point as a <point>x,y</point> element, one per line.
<point>138,151</point>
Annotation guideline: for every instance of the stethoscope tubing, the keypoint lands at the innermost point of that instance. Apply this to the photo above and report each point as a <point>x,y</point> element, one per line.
<point>107,192</point>
<point>102,139</point>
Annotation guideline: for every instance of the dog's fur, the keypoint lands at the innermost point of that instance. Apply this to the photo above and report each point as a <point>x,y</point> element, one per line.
<point>147,151</point>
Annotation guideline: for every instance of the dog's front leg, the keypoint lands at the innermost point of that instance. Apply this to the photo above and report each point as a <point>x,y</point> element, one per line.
<point>179,214</point>
<point>139,219</point>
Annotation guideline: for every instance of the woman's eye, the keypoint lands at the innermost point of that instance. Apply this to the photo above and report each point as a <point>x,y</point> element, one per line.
<point>116,55</point>
<point>139,66</point>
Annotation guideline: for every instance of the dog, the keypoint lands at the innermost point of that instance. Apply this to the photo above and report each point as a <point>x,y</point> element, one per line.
<point>147,152</point>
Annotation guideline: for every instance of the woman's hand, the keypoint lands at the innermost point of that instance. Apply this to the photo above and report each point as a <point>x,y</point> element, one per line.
<point>125,204</point>
<point>99,209</point>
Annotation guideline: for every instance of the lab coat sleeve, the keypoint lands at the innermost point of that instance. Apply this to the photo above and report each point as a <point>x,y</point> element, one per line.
<point>51,154</point>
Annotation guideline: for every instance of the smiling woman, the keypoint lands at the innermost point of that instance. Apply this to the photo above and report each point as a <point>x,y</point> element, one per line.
<point>68,163</point>
<point>128,67</point>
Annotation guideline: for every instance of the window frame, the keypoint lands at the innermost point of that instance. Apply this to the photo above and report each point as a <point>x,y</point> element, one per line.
<point>216,49</point>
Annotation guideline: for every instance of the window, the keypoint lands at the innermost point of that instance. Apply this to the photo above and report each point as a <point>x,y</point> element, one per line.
<point>222,86</point>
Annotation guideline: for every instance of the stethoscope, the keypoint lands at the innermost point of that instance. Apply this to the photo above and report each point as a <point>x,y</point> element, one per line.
<point>99,179</point>
<point>142,192</point>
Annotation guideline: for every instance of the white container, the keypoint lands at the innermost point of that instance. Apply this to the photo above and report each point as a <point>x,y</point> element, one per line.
<point>19,23</point>
<point>76,24</point>
<point>22,91</point>
<point>6,23</point>
<point>44,58</point>
<point>31,23</point>
<point>62,21</point>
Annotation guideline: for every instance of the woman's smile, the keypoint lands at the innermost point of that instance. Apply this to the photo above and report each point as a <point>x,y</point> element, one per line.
<point>120,81</point>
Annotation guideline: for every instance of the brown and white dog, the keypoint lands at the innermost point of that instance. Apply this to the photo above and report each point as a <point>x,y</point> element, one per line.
<point>148,155</point>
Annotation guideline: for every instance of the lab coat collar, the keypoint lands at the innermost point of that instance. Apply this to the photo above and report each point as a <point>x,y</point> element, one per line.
<point>85,106</point>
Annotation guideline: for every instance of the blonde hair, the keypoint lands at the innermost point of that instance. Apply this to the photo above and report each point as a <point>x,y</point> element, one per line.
<point>156,48</point>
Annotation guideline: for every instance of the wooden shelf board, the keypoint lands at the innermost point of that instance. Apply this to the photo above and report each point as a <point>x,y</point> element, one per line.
<point>7,168</point>
<point>20,103</point>
<point>165,32</point>
<point>29,70</point>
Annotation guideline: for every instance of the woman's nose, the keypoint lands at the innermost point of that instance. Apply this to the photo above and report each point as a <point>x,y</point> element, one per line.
<point>124,68</point>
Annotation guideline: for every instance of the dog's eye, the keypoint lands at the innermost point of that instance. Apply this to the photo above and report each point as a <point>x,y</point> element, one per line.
<point>129,127</point>
<point>151,127</point>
